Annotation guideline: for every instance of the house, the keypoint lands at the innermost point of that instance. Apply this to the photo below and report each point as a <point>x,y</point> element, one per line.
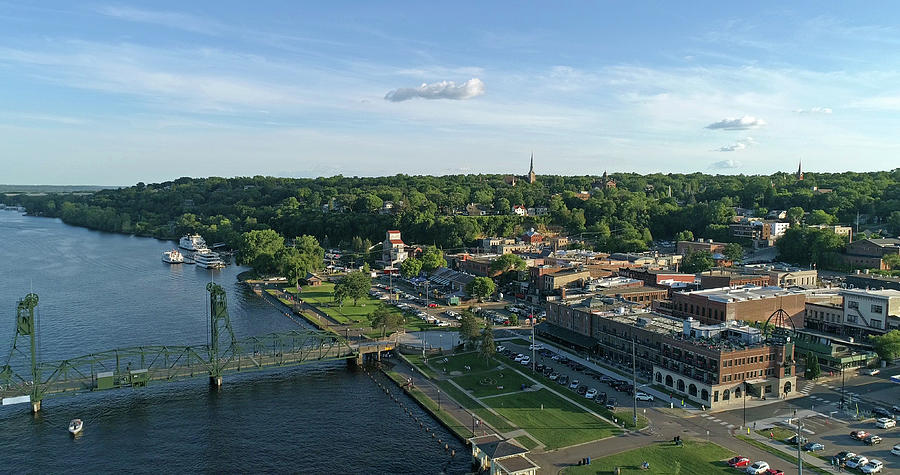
<point>495,455</point>
<point>313,280</point>
<point>777,214</point>
<point>538,211</point>
<point>532,237</point>
<point>837,229</point>
<point>519,210</point>
<point>583,195</point>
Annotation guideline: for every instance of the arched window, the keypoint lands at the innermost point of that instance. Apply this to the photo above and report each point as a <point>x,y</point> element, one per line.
<point>726,395</point>
<point>681,385</point>
<point>669,381</point>
<point>787,388</point>
<point>658,377</point>
<point>692,389</point>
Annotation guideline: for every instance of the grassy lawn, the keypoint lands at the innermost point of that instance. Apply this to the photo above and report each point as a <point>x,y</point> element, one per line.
<point>416,360</point>
<point>462,430</point>
<point>519,341</point>
<point>472,405</point>
<point>492,383</point>
<point>527,442</point>
<point>559,424</point>
<point>460,361</point>
<point>781,433</point>
<point>693,457</point>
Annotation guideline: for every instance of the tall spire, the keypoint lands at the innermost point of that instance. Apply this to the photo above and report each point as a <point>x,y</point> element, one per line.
<point>800,170</point>
<point>531,168</point>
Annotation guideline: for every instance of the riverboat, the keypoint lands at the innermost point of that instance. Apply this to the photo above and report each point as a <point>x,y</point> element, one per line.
<point>172,257</point>
<point>192,242</point>
<point>75,426</point>
<point>208,259</point>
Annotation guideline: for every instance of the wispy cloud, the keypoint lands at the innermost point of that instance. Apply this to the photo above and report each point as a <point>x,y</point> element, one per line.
<point>176,20</point>
<point>438,90</point>
<point>726,164</point>
<point>742,123</point>
<point>737,146</point>
<point>814,110</point>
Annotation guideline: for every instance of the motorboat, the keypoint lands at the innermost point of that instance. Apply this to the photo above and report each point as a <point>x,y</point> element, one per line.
<point>208,259</point>
<point>192,242</point>
<point>75,426</point>
<point>172,257</point>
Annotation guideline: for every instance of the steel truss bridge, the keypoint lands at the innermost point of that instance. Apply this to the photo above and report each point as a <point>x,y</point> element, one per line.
<point>140,366</point>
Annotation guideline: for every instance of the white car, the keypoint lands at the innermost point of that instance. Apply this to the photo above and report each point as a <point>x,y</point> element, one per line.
<point>873,372</point>
<point>895,450</point>
<point>874,466</point>
<point>591,393</point>
<point>536,347</point>
<point>501,348</point>
<point>643,396</point>
<point>858,461</point>
<point>758,468</point>
<point>885,423</point>
<point>574,384</point>
<point>525,361</point>
<point>519,358</point>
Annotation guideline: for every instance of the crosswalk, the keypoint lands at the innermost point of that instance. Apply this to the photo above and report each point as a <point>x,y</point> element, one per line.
<point>713,418</point>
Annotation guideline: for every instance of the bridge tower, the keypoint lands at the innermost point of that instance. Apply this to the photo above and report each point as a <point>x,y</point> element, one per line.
<point>24,345</point>
<point>222,343</point>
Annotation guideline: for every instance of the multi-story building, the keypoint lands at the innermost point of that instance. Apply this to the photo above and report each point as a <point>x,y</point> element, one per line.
<point>717,278</point>
<point>478,265</point>
<point>393,250</point>
<point>643,295</point>
<point>532,237</point>
<point>793,277</point>
<point>687,247</point>
<point>870,312</point>
<point>749,304</point>
<point>550,283</point>
<point>824,316</point>
<point>835,353</point>
<point>656,276</point>
<point>837,229</point>
<point>869,253</point>
<point>762,233</point>
<point>713,365</point>
<point>872,281</point>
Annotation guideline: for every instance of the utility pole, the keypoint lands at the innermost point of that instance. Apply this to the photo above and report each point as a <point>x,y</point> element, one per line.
<point>842,385</point>
<point>634,379</point>
<point>533,343</point>
<point>744,392</point>
<point>799,454</point>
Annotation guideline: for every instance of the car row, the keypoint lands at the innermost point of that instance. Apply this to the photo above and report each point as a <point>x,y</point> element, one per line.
<point>863,436</point>
<point>861,462</point>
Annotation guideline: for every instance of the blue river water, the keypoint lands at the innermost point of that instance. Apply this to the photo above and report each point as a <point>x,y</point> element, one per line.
<point>100,291</point>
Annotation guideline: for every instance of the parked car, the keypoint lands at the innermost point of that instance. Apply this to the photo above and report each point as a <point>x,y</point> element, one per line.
<point>813,447</point>
<point>564,380</point>
<point>757,468</point>
<point>885,423</point>
<point>793,440</point>
<point>643,396</point>
<point>844,456</point>
<point>554,376</point>
<point>882,412</point>
<point>519,357</point>
<point>738,462</point>
<point>611,404</point>
<point>536,346</point>
<point>582,390</point>
<point>773,471</point>
<point>501,349</point>
<point>895,450</point>
<point>874,466</point>
<point>591,393</point>
<point>857,461</point>
<point>859,434</point>
<point>574,384</point>
<point>525,361</point>
<point>872,440</point>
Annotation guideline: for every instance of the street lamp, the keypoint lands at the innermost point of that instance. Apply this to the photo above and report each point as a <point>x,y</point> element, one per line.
<point>744,393</point>
<point>842,385</point>
<point>799,454</point>
<point>634,379</point>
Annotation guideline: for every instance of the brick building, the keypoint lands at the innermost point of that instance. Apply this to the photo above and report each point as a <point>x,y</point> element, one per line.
<point>656,276</point>
<point>713,365</point>
<point>550,283</point>
<point>687,247</point>
<point>869,253</point>
<point>749,304</point>
<point>642,295</point>
<point>717,278</point>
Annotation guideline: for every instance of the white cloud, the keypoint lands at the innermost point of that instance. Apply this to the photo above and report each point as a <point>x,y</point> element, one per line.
<point>739,145</point>
<point>438,90</point>
<point>724,164</point>
<point>179,21</point>
<point>743,123</point>
<point>814,110</point>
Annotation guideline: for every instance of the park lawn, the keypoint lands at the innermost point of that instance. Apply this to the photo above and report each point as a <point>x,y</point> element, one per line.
<point>519,341</point>
<point>527,442</point>
<point>473,360</point>
<point>781,433</point>
<point>492,383</point>
<point>693,457</point>
<point>461,429</point>
<point>473,406</point>
<point>559,424</point>
<point>355,315</point>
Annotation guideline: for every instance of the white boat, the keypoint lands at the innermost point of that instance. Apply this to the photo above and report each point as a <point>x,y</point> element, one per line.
<point>192,242</point>
<point>208,259</point>
<point>172,257</point>
<point>75,426</point>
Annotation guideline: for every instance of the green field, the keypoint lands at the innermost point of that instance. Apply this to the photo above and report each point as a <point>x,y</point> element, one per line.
<point>459,362</point>
<point>472,405</point>
<point>527,442</point>
<point>491,383</point>
<point>558,424</point>
<point>693,457</point>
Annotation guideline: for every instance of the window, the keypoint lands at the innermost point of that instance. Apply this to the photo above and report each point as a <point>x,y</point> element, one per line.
<point>853,304</point>
<point>877,309</point>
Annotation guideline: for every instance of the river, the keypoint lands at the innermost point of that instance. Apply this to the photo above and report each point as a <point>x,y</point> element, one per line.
<point>100,291</point>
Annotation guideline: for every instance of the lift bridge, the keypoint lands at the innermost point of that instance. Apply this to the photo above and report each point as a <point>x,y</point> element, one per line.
<point>140,366</point>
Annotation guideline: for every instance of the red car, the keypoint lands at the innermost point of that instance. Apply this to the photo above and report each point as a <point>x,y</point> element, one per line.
<point>432,305</point>
<point>859,434</point>
<point>739,462</point>
<point>772,471</point>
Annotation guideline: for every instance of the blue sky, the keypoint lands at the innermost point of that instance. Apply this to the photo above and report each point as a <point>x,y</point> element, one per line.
<point>116,93</point>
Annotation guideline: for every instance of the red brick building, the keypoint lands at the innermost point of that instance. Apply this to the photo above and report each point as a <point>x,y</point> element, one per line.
<point>748,304</point>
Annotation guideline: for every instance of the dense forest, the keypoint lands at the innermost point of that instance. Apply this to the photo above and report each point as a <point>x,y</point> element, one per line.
<point>432,209</point>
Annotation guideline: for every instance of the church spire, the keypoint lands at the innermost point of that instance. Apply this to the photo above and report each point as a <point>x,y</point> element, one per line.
<point>531,168</point>
<point>800,170</point>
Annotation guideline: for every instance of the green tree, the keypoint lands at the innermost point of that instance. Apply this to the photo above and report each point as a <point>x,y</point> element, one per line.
<point>795,215</point>
<point>354,285</point>
<point>892,261</point>
<point>685,235</point>
<point>487,347</point>
<point>481,288</point>
<point>304,257</point>
<point>508,262</point>
<point>699,261</point>
<point>893,222</point>
<point>813,371</point>
<point>514,319</point>
<point>385,319</point>
<point>433,258</point>
<point>818,216</point>
<point>888,345</point>
<point>468,327</point>
<point>259,248</point>
<point>410,267</point>
<point>733,251</point>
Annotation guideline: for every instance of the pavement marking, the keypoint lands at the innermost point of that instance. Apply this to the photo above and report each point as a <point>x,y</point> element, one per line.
<point>731,426</point>
<point>716,420</point>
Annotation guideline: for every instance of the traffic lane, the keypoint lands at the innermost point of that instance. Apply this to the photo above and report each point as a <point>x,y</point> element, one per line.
<point>622,398</point>
<point>877,388</point>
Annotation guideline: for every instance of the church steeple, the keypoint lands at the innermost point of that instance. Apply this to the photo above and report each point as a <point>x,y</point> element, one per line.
<point>531,177</point>
<point>800,170</point>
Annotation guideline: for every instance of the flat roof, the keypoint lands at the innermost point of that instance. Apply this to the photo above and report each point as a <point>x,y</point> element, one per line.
<point>742,294</point>
<point>631,290</point>
<point>518,463</point>
<point>888,293</point>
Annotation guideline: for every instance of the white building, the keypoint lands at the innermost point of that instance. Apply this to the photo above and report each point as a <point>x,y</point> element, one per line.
<point>870,311</point>
<point>393,251</point>
<point>520,210</point>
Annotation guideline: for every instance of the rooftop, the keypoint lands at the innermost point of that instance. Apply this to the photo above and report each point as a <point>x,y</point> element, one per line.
<point>518,463</point>
<point>631,290</point>
<point>887,293</point>
<point>742,294</point>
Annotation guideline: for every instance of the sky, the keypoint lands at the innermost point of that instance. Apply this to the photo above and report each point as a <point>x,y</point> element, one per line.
<point>117,93</point>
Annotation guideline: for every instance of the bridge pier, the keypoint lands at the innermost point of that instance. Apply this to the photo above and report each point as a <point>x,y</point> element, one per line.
<point>35,407</point>
<point>215,381</point>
